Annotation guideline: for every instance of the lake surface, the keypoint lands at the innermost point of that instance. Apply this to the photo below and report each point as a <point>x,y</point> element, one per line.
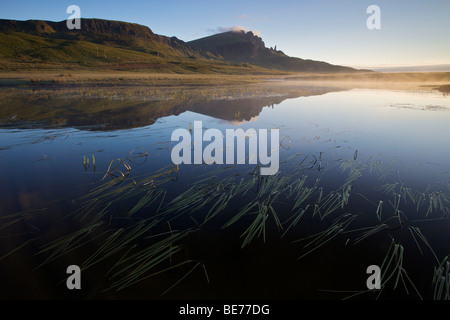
<point>363,180</point>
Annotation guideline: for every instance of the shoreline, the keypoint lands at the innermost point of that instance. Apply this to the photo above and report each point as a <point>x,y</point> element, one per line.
<point>417,81</point>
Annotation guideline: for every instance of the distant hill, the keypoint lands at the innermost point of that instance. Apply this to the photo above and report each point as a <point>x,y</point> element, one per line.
<point>113,33</point>
<point>245,47</point>
<point>99,45</point>
<point>115,45</point>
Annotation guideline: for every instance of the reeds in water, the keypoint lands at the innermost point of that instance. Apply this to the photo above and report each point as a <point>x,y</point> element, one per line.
<point>441,280</point>
<point>392,268</point>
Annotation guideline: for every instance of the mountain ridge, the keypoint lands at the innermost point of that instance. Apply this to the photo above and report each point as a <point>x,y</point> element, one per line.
<point>245,47</point>
<point>117,45</point>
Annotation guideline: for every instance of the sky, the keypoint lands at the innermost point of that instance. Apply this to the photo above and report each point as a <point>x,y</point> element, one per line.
<point>414,32</point>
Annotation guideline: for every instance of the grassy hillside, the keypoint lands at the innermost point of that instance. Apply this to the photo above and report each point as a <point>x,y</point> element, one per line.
<point>103,45</point>
<point>122,46</point>
<point>19,51</point>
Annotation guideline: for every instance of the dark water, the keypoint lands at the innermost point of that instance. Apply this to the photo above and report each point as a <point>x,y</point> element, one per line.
<point>364,145</point>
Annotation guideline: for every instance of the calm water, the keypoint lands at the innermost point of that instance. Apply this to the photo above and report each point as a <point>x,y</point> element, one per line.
<point>364,146</point>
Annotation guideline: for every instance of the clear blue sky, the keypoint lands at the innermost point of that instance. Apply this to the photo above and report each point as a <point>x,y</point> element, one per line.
<point>412,32</point>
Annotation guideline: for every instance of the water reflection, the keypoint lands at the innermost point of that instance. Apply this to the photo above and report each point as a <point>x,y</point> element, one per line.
<point>54,135</point>
<point>120,109</point>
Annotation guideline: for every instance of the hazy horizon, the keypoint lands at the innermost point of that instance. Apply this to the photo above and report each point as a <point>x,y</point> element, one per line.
<point>407,68</point>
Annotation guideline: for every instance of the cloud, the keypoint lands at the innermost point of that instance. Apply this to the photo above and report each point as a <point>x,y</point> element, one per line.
<point>233,29</point>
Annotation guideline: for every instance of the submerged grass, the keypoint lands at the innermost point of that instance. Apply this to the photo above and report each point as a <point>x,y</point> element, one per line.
<point>441,280</point>
<point>392,267</point>
<point>138,246</point>
<point>134,267</point>
<point>323,237</point>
